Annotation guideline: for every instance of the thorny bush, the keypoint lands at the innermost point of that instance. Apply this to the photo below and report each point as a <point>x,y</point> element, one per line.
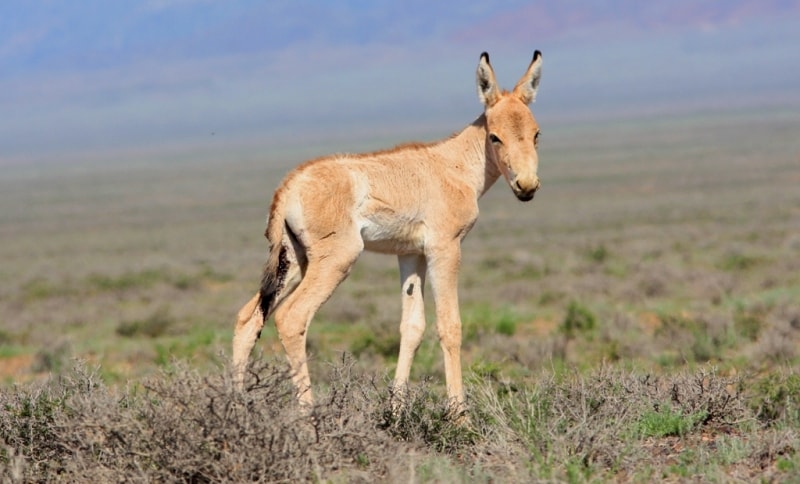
<point>183,426</point>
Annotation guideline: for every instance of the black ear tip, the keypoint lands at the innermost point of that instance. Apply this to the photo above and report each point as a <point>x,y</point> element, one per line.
<point>536,55</point>
<point>485,56</point>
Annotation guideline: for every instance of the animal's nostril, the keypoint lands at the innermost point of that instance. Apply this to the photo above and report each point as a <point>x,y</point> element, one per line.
<point>528,188</point>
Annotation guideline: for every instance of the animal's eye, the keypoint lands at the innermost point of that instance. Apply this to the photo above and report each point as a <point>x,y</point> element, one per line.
<point>494,139</point>
<point>536,137</point>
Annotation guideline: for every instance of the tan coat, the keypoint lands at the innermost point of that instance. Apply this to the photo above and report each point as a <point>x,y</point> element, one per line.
<point>417,201</point>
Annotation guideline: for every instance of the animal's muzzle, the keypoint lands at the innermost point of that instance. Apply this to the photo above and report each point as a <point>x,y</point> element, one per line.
<point>525,190</point>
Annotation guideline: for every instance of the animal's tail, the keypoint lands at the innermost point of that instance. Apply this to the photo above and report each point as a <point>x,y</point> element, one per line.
<point>283,270</point>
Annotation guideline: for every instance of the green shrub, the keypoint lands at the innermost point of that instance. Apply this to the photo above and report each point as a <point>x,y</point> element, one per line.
<point>736,261</point>
<point>157,324</point>
<point>41,288</point>
<point>598,254</point>
<point>578,320</point>
<point>748,323</point>
<point>665,423</point>
<point>387,345</point>
<point>484,319</point>
<point>776,399</point>
<point>6,338</point>
<point>506,324</point>
<point>483,369</point>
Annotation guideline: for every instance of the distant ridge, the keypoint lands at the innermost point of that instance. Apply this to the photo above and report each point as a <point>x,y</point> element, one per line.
<point>622,18</point>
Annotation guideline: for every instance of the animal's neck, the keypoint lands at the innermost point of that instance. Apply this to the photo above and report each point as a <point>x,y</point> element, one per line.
<point>466,151</point>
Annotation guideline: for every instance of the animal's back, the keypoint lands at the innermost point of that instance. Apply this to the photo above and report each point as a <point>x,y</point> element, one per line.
<point>384,195</point>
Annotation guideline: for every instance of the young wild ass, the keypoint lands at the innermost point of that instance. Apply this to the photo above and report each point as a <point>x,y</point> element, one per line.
<point>417,201</point>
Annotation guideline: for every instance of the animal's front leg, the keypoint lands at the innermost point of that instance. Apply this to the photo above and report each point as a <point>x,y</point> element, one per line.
<point>443,270</point>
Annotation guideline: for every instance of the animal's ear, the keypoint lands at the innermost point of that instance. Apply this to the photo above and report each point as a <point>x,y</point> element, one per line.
<point>527,86</point>
<point>488,91</point>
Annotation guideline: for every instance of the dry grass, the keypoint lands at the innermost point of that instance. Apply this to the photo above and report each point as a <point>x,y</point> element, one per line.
<point>608,423</point>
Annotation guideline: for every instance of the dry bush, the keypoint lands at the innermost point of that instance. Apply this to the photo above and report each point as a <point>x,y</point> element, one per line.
<point>779,339</point>
<point>182,426</point>
<point>575,428</point>
<point>652,280</point>
<point>624,337</point>
<point>527,353</point>
<point>608,423</point>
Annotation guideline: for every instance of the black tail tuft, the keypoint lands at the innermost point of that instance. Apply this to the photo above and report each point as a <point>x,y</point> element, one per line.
<point>272,282</point>
<point>267,294</point>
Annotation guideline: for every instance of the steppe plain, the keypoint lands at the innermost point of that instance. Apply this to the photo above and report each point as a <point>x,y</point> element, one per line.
<point>639,320</point>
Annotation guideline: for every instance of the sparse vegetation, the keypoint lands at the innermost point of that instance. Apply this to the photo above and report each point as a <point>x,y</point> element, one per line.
<point>606,424</point>
<point>597,254</point>
<point>649,335</point>
<point>736,261</point>
<point>484,320</point>
<point>155,325</point>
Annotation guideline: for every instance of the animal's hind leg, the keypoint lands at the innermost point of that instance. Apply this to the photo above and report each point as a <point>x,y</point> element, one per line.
<point>328,266</point>
<point>412,323</point>
<point>249,323</point>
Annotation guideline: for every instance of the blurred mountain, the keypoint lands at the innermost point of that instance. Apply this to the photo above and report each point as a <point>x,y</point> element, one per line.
<point>90,75</point>
<point>98,33</point>
<point>572,20</point>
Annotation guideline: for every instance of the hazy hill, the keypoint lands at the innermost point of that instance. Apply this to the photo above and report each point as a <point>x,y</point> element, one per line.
<point>99,78</point>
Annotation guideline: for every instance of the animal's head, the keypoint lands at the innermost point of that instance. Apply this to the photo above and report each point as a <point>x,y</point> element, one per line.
<point>512,134</point>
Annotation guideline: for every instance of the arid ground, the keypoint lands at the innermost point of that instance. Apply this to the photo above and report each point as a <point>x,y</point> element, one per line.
<point>639,320</point>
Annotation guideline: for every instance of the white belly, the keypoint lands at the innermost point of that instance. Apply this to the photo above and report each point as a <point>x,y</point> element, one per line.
<point>393,236</point>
